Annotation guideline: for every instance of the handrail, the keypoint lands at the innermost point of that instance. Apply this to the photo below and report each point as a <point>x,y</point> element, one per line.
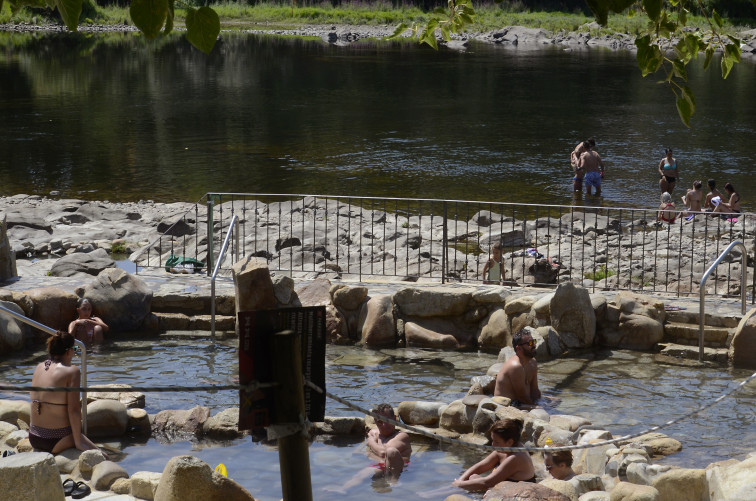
<point>83,347</point>
<point>702,290</point>
<point>221,255</point>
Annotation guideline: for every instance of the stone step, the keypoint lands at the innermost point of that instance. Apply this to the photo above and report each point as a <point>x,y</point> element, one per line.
<point>183,322</point>
<point>718,337</point>
<point>712,318</point>
<point>678,351</point>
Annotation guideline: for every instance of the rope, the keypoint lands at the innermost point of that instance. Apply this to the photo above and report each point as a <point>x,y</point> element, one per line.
<point>453,441</point>
<point>254,385</point>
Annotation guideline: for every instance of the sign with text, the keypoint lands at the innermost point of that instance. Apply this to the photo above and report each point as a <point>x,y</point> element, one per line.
<point>256,331</point>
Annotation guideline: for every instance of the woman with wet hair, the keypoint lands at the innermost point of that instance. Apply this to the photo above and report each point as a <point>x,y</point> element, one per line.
<point>668,172</point>
<point>56,416</point>
<point>87,328</point>
<point>509,466</point>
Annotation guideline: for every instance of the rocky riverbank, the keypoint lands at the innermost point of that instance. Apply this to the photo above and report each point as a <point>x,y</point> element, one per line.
<point>341,34</point>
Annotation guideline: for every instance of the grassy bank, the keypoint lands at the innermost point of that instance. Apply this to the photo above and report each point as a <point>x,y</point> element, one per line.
<point>238,16</point>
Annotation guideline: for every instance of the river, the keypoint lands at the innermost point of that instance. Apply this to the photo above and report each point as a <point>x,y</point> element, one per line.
<point>114,117</point>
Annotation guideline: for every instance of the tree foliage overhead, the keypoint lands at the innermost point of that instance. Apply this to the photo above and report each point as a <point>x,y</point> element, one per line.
<point>151,17</point>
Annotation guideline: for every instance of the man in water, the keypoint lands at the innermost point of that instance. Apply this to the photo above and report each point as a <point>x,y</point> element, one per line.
<point>386,445</point>
<point>582,147</point>
<point>591,163</point>
<point>518,377</point>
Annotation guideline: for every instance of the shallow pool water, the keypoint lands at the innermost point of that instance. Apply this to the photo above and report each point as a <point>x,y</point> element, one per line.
<point>624,392</point>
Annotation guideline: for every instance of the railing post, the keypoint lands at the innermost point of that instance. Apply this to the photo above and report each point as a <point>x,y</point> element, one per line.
<point>209,234</point>
<point>444,246</point>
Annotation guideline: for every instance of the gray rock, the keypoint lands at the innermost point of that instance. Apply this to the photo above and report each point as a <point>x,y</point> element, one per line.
<point>144,484</point>
<point>80,264</point>
<point>121,299</point>
<point>106,418</point>
<point>223,425</point>
<point>13,333</point>
<point>31,476</point>
<point>186,477</point>
<point>105,473</point>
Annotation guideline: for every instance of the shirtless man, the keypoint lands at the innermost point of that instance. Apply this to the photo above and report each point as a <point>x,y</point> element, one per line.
<point>388,446</point>
<point>591,163</point>
<point>518,377</point>
<point>582,147</point>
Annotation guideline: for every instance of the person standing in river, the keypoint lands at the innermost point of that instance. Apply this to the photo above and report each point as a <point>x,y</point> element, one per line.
<point>578,172</point>
<point>668,172</point>
<point>593,166</point>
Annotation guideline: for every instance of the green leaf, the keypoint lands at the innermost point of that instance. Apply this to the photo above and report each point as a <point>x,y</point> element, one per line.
<point>202,28</point>
<point>445,33</point>
<point>649,56</point>
<point>682,17</point>
<point>149,16</point>
<point>70,10</point>
<point>717,18</point>
<point>684,110</point>
<point>726,66</point>
<point>687,94</point>
<point>169,17</point>
<point>678,69</point>
<point>653,8</point>
<point>709,54</point>
<point>398,31</point>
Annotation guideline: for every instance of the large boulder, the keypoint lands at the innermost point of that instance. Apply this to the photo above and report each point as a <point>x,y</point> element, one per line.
<point>458,417</point>
<point>315,293</point>
<point>144,484</point>
<point>53,307</point>
<point>625,491</point>
<point>7,255</point>
<point>742,351</point>
<point>494,333</point>
<point>433,302</point>
<point>682,484</point>
<point>732,482</point>
<point>105,473</point>
<point>419,336</point>
<point>253,285</point>
<point>349,298</point>
<point>187,477</point>
<point>12,332</point>
<point>378,328</point>
<point>180,422</point>
<point>13,410</point>
<point>30,477</point>
<point>122,300</point>
<point>106,418</point>
<point>572,313</point>
<point>223,425</point>
<point>525,491</point>
<point>421,413</point>
<point>82,264</point>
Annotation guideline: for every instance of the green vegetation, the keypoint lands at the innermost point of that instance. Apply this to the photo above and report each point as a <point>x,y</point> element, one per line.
<point>118,248</point>
<point>601,273</point>
<point>467,247</point>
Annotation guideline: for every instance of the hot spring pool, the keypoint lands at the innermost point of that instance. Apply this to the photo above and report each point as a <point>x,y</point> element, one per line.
<point>623,391</point>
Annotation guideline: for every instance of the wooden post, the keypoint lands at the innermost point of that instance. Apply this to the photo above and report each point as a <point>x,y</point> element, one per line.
<point>293,450</point>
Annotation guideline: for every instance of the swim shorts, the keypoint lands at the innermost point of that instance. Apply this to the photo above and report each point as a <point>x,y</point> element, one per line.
<point>593,179</point>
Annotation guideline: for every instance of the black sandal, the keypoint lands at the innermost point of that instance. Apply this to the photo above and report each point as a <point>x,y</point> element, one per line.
<point>82,490</point>
<point>68,486</point>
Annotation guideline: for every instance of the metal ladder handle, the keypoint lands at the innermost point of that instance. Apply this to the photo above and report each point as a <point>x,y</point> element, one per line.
<point>702,290</point>
<point>221,255</point>
<point>81,345</point>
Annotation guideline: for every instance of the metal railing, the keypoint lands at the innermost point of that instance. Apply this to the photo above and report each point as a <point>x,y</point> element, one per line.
<point>221,255</point>
<point>601,248</point>
<point>702,302</point>
<point>51,331</point>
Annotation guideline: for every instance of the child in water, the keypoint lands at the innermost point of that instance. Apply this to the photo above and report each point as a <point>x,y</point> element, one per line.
<point>493,271</point>
<point>86,328</point>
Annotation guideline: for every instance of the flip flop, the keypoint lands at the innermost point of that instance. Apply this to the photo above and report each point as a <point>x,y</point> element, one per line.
<point>82,490</point>
<point>68,486</point>
<point>8,453</point>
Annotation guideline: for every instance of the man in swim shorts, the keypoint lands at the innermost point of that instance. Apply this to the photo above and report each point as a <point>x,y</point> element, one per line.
<point>591,163</point>
<point>579,173</point>
<point>518,377</point>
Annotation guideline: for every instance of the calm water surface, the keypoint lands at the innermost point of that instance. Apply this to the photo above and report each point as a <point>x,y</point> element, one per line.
<point>114,117</point>
<point>623,391</point>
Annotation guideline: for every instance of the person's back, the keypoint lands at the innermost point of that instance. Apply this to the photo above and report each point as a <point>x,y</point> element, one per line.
<point>714,193</point>
<point>50,409</point>
<point>694,198</point>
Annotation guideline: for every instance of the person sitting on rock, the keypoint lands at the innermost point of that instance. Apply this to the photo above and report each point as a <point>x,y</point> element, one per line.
<point>518,377</point>
<point>559,464</point>
<point>87,328</point>
<point>55,423</point>
<point>504,466</point>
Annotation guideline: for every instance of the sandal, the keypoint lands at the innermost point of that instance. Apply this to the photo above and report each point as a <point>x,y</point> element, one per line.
<point>68,486</point>
<point>82,490</point>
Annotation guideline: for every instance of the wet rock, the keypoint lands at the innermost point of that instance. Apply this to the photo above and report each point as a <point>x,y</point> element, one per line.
<point>743,346</point>
<point>339,426</point>
<point>139,422</point>
<point>186,477</point>
<point>13,333</point>
<point>52,307</point>
<point>495,333</point>
<point>105,473</point>
<point>419,336</point>
<point>122,300</point>
<point>172,422</point>
<point>106,418</point>
<point>458,417</point>
<point>506,491</point>
<point>350,298</point>
<point>422,413</point>
<point>223,425</point>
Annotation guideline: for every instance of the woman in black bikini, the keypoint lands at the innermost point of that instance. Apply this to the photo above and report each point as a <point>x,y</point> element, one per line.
<point>56,416</point>
<point>510,466</point>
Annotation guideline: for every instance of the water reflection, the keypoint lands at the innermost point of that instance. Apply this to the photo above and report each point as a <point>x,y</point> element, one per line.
<point>159,120</point>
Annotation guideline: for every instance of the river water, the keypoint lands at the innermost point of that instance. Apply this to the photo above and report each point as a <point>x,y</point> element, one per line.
<point>625,392</point>
<point>112,117</point>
